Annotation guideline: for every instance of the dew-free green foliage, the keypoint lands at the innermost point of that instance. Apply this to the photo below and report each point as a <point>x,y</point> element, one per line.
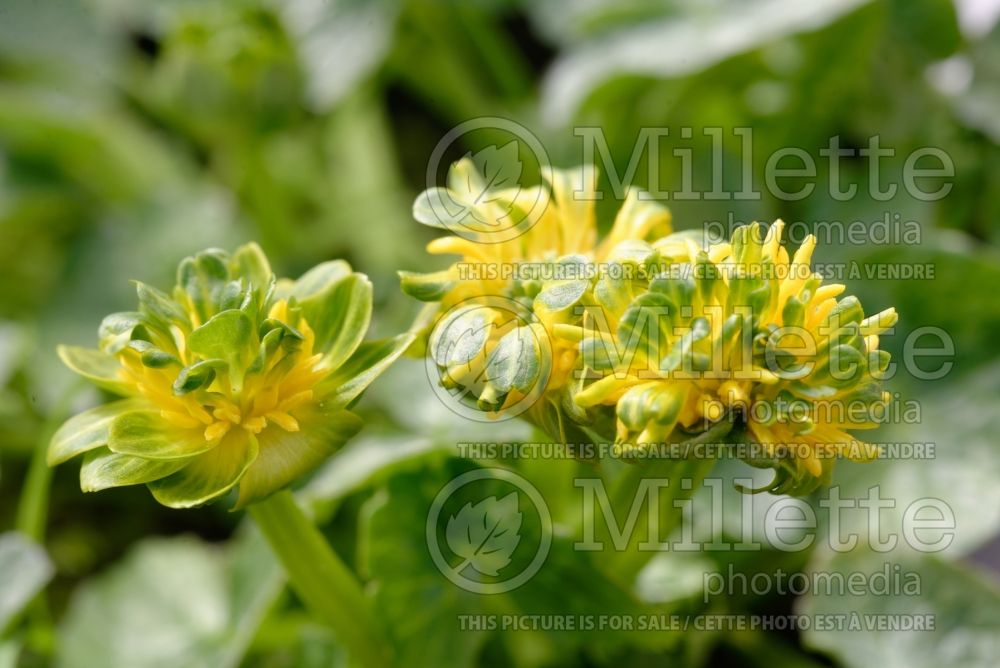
<point>25,570</point>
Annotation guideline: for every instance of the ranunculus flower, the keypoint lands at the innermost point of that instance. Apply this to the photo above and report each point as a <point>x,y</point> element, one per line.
<point>525,257</point>
<point>645,337</point>
<point>739,332</point>
<point>235,379</point>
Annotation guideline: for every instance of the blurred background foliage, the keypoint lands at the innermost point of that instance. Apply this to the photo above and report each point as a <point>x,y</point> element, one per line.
<point>133,133</point>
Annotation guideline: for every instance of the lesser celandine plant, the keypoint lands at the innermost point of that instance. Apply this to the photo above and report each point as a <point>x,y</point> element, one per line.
<point>236,381</point>
<point>236,384</point>
<point>655,338</point>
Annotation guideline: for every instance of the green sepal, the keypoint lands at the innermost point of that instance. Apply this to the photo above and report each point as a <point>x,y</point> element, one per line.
<point>847,311</point>
<point>210,474</point>
<point>614,295</point>
<point>284,456</point>
<point>461,336</point>
<point>86,431</point>
<point>562,295</point>
<point>436,207</point>
<point>651,402</point>
<point>339,315</point>
<point>98,367</point>
<point>103,469</point>
<point>318,279</point>
<point>143,433</point>
<point>369,361</point>
<point>250,263</point>
<point>646,326</point>
<point>154,358</point>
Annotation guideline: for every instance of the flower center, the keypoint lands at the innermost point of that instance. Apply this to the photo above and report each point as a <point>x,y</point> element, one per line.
<point>268,394</point>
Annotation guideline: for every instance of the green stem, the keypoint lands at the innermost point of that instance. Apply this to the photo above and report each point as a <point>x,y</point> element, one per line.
<point>32,509</point>
<point>318,576</point>
<point>33,505</point>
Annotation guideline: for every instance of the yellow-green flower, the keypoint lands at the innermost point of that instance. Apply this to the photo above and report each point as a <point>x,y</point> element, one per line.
<point>644,341</point>
<point>735,331</point>
<point>235,379</point>
<point>543,272</point>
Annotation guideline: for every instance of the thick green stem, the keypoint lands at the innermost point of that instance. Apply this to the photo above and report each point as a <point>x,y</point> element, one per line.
<point>323,582</point>
<point>32,510</point>
<point>33,506</point>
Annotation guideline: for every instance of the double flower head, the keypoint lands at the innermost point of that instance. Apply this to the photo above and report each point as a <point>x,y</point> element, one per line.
<point>233,380</point>
<point>649,338</point>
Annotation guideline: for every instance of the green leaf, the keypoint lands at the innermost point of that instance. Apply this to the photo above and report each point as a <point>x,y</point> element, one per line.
<point>928,30</point>
<point>228,336</point>
<point>367,459</point>
<point>86,431</point>
<point>960,423</point>
<point>369,361</point>
<point>698,40</point>
<point>284,457</point>
<point>172,602</point>
<point>144,433</point>
<point>210,474</point>
<point>103,469</point>
<point>10,651</point>
<point>485,534</point>
<point>324,33</point>
<point>567,584</point>
<point>418,604</point>
<point>416,599</point>
<point>24,570</point>
<point>965,607</point>
<point>958,300</point>
<point>99,368</point>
